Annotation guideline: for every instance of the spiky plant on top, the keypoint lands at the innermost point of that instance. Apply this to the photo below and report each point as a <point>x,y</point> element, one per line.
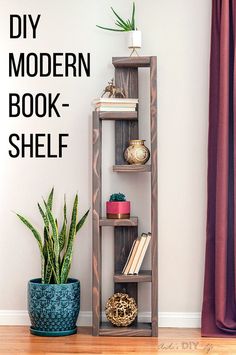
<point>122,25</point>
<point>117,197</point>
<point>56,246</point>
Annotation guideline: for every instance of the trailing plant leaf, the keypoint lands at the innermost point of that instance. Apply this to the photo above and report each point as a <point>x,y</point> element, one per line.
<point>68,254</point>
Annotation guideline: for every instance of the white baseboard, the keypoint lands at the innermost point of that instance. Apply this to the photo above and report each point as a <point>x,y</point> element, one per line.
<point>179,319</point>
<point>166,319</point>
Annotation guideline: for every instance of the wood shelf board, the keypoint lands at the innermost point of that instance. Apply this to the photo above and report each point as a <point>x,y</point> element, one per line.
<point>143,276</point>
<point>118,116</point>
<point>109,222</point>
<point>139,329</point>
<point>132,168</point>
<point>131,62</point>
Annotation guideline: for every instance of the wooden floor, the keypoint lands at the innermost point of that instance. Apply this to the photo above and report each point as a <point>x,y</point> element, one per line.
<point>18,341</point>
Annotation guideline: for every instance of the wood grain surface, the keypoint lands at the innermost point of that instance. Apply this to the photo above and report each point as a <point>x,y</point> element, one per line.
<point>131,62</point>
<point>132,222</point>
<point>18,341</point>
<point>96,255</point>
<point>154,213</point>
<point>142,276</point>
<point>132,168</point>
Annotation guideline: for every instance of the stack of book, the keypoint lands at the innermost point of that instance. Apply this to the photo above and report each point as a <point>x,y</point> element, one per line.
<point>114,104</point>
<point>136,255</point>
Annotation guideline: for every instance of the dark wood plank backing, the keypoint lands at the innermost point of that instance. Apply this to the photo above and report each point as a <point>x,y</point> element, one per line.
<point>124,237</point>
<point>96,262</point>
<point>126,78</point>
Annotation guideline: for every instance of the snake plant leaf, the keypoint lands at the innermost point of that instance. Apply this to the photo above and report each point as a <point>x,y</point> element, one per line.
<point>68,254</point>
<point>55,238</point>
<point>48,273</point>
<point>133,17</point>
<point>45,218</point>
<point>81,221</point>
<point>45,234</point>
<point>48,268</point>
<point>51,261</point>
<point>64,209</point>
<point>62,237</point>
<point>110,29</point>
<point>39,241</point>
<point>32,229</point>
<point>62,234</point>
<point>50,199</point>
<point>42,268</point>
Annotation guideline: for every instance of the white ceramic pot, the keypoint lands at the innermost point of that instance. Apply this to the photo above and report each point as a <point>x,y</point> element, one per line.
<point>134,39</point>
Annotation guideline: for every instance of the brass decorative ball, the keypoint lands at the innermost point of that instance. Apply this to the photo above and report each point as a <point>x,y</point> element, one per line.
<point>121,309</point>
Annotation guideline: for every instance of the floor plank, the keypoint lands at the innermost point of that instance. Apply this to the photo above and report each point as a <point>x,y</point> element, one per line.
<point>17,340</point>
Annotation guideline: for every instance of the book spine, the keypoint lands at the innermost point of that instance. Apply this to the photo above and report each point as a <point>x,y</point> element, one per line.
<point>137,254</point>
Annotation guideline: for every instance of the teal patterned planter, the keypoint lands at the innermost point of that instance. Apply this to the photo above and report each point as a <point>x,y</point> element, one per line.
<point>53,309</point>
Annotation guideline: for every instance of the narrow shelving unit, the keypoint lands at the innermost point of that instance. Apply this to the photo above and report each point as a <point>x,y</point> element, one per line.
<point>125,230</point>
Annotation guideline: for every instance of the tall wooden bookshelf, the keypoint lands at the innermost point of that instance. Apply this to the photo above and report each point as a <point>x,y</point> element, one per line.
<point>125,230</point>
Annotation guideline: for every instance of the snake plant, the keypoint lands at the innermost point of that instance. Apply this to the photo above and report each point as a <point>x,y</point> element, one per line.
<point>56,246</point>
<point>122,25</point>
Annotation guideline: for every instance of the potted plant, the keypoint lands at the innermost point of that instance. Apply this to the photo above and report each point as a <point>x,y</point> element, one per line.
<point>118,207</point>
<point>54,299</point>
<point>129,26</point>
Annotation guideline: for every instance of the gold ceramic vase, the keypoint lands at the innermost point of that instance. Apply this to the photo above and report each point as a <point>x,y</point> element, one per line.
<point>137,153</point>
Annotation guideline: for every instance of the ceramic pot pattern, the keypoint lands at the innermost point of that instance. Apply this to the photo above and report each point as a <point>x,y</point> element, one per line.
<point>53,308</point>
